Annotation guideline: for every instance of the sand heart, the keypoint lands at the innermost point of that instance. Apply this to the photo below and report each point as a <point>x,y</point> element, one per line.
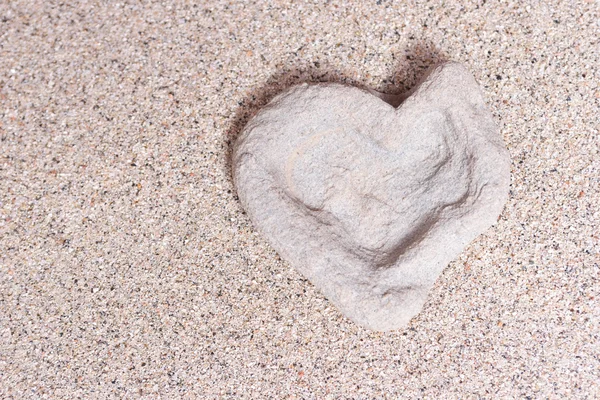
<point>368,201</point>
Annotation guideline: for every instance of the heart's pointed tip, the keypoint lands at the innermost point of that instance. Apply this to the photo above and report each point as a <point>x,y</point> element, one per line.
<point>391,310</point>
<point>387,325</point>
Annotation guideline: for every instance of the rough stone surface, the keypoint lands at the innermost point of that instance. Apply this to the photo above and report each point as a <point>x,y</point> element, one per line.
<point>368,201</point>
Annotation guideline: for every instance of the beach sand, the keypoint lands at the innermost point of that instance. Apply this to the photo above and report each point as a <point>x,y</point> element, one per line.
<point>128,268</point>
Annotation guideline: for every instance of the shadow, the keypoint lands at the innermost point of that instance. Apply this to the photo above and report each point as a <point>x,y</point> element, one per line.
<point>412,67</point>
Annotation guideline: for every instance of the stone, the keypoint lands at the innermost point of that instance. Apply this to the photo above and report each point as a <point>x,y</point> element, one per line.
<point>368,201</point>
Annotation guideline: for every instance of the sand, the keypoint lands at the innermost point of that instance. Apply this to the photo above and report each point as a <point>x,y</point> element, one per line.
<point>129,270</point>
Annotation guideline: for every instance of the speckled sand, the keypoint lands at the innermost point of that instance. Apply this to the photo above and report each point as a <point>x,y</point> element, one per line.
<point>129,270</point>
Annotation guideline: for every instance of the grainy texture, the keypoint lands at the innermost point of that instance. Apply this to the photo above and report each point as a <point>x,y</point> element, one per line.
<point>368,201</point>
<point>129,270</point>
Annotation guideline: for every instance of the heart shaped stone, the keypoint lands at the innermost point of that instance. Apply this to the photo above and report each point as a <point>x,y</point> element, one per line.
<point>368,201</point>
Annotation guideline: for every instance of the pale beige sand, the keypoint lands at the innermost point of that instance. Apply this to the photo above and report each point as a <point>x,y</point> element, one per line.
<point>129,270</point>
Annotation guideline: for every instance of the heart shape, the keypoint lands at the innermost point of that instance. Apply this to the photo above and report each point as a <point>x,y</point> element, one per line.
<point>368,201</point>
